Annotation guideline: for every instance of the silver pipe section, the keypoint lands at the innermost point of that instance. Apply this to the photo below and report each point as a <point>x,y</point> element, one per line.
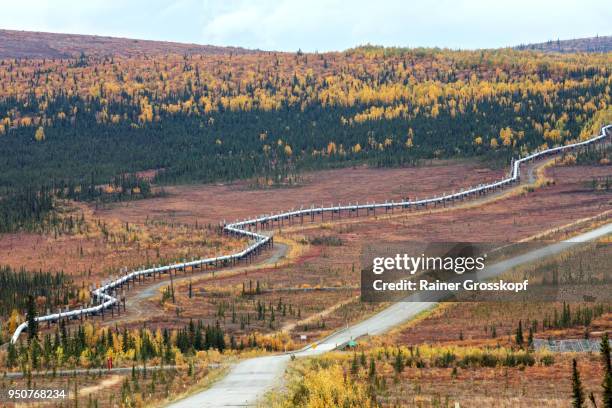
<point>240,229</point>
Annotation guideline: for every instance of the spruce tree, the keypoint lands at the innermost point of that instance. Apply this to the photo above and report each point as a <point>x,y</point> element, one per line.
<point>577,391</point>
<point>354,364</point>
<point>607,377</point>
<point>372,371</point>
<point>399,362</point>
<point>519,334</point>
<point>32,323</point>
<point>11,358</point>
<point>605,353</point>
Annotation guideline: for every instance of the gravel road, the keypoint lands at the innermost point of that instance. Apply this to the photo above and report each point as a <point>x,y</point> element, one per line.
<point>250,379</point>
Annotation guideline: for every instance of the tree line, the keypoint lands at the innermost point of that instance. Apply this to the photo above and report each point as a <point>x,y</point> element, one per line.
<point>25,209</point>
<point>49,288</point>
<point>90,347</point>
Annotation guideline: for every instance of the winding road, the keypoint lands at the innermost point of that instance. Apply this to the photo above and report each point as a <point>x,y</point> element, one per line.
<point>249,380</point>
<point>105,295</point>
<point>136,305</point>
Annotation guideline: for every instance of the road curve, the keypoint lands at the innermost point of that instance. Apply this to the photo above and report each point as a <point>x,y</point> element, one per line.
<point>249,380</point>
<point>260,240</point>
<point>137,305</point>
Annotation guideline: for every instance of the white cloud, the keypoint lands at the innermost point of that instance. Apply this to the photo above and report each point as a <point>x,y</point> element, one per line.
<point>318,24</point>
<point>332,25</point>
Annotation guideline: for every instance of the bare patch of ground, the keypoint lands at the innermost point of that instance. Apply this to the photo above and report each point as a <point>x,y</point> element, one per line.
<point>214,203</point>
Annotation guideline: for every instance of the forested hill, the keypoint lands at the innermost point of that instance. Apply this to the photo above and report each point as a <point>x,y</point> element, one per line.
<point>203,118</point>
<point>30,44</point>
<point>591,44</point>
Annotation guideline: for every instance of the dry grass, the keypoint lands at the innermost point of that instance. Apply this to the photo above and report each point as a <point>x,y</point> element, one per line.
<point>214,203</point>
<point>108,244</point>
<point>546,383</point>
<point>327,266</point>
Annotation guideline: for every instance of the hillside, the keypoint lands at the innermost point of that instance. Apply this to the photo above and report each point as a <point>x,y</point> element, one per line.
<point>29,44</point>
<point>591,44</point>
<point>216,117</point>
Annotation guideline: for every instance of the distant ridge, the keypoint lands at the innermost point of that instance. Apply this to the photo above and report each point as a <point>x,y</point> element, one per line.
<point>591,44</point>
<point>31,44</point>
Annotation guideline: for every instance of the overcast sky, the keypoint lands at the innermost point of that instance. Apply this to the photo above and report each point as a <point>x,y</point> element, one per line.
<point>318,25</point>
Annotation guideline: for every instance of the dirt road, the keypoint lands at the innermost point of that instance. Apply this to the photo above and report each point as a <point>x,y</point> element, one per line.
<point>136,302</point>
<point>249,380</point>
